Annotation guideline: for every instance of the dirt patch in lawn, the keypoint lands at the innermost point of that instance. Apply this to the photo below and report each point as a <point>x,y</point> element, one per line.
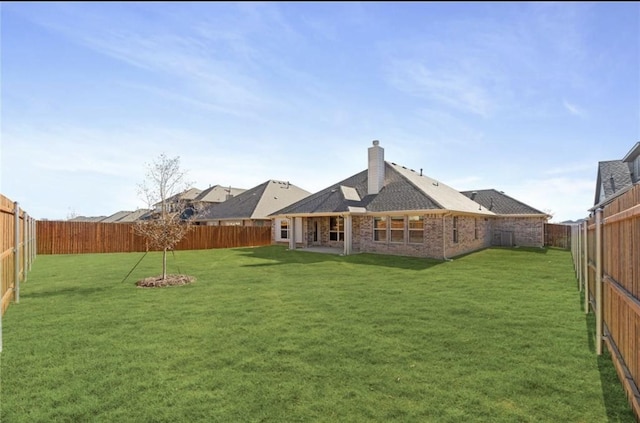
<point>170,280</point>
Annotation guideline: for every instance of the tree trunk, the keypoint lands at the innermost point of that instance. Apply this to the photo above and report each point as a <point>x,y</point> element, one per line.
<point>164,264</point>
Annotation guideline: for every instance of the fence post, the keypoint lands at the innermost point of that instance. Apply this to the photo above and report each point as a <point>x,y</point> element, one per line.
<point>25,239</point>
<point>579,249</point>
<point>585,263</point>
<point>598,281</point>
<point>16,253</point>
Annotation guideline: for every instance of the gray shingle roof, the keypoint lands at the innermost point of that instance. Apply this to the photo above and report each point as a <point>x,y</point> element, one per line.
<point>403,189</point>
<point>218,194</point>
<point>255,203</point>
<point>613,176</point>
<point>499,203</point>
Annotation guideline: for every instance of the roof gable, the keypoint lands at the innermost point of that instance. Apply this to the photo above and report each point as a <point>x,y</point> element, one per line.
<point>613,176</point>
<point>500,203</point>
<point>447,197</point>
<point>255,203</point>
<point>218,194</point>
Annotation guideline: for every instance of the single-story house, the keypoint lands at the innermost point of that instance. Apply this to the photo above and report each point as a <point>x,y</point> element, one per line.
<point>251,207</point>
<point>390,209</point>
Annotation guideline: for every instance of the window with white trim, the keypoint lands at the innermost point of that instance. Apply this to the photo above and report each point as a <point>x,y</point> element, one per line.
<point>416,229</point>
<point>284,229</point>
<point>455,229</point>
<point>336,228</point>
<point>380,229</point>
<point>396,227</point>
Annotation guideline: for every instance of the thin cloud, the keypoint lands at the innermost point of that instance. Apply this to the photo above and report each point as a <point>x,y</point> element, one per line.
<point>573,109</point>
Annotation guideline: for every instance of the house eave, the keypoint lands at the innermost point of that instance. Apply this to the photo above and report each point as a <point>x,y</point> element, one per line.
<point>633,153</point>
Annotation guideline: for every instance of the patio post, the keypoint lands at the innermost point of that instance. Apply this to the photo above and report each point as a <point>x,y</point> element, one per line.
<point>348,225</point>
<point>292,233</point>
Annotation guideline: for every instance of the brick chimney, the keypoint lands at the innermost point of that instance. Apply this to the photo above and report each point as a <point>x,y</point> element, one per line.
<point>375,174</point>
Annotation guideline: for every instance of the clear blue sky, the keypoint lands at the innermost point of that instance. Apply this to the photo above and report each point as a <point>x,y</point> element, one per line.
<point>521,97</point>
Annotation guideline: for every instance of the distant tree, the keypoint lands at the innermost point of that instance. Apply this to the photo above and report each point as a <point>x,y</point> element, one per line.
<point>164,228</point>
<point>550,213</point>
<point>71,214</point>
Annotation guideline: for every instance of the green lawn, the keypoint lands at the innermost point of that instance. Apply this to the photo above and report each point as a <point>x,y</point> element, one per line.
<point>270,335</point>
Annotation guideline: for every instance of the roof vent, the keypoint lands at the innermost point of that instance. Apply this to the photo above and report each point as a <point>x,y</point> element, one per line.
<point>473,195</point>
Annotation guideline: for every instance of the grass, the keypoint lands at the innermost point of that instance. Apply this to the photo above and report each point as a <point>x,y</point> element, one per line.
<point>270,335</point>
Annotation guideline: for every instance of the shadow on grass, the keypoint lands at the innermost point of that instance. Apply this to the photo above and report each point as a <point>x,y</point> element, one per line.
<point>538,250</point>
<point>69,292</point>
<point>613,395</point>
<point>281,255</point>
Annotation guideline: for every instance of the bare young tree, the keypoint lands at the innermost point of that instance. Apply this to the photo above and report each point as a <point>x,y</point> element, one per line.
<point>164,228</point>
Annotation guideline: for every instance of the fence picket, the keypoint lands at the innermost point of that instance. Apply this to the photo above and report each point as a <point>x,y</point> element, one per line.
<point>620,284</point>
<point>64,237</point>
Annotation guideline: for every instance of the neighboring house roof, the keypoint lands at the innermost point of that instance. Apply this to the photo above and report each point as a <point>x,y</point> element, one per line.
<point>403,190</point>
<point>218,194</point>
<point>115,217</point>
<point>188,195</point>
<point>133,216</point>
<point>256,203</point>
<point>87,219</point>
<point>500,203</point>
<point>616,176</point>
<point>632,154</point>
<point>613,176</point>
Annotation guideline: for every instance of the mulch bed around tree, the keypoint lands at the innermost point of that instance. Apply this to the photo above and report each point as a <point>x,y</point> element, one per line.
<point>170,280</point>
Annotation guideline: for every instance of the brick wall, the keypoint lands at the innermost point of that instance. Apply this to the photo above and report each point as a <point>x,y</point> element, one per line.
<point>527,231</point>
<point>474,233</point>
<point>433,238</point>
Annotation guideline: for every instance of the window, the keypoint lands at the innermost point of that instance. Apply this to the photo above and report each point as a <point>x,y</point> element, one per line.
<point>284,229</point>
<point>380,229</point>
<point>475,228</point>
<point>336,228</point>
<point>416,229</point>
<point>455,229</point>
<point>397,229</point>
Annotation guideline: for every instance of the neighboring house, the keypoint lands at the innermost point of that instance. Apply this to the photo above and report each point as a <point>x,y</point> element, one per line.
<point>133,216</point>
<point>616,176</point>
<point>211,196</point>
<point>390,209</point>
<point>115,217</point>
<point>251,207</point>
<point>179,201</point>
<point>217,194</point>
<point>87,219</point>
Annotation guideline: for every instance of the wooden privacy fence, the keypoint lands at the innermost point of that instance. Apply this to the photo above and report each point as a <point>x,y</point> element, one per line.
<point>606,253</point>
<point>95,237</point>
<point>556,235</point>
<point>17,251</point>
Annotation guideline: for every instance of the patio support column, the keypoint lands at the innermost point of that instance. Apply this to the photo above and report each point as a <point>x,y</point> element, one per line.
<point>292,233</point>
<point>348,236</point>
